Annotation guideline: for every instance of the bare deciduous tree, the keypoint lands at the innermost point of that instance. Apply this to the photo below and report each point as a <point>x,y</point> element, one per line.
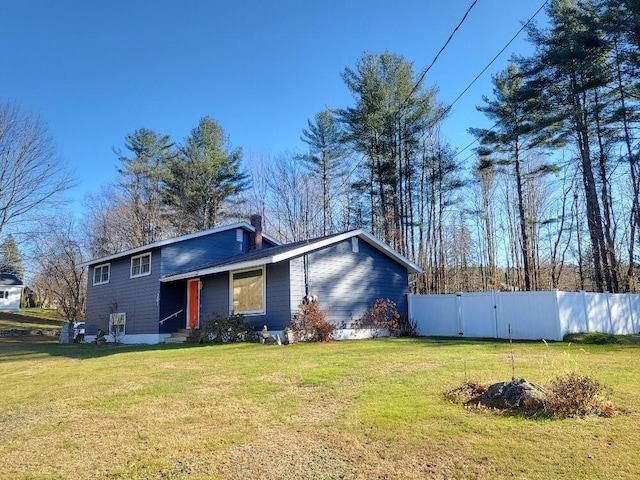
<point>32,177</point>
<point>59,277</point>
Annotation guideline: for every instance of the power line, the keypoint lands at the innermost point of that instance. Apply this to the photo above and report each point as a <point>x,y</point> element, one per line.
<point>446,110</point>
<point>435,59</point>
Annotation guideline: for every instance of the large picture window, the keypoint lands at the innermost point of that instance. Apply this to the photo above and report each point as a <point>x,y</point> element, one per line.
<point>248,291</point>
<point>141,265</point>
<point>101,274</point>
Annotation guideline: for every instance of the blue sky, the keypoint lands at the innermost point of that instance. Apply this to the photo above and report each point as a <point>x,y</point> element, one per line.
<point>96,71</point>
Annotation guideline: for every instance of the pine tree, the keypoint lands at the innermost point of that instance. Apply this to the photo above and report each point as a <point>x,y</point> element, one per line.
<point>141,180</point>
<point>516,131</point>
<point>11,260</point>
<point>202,178</point>
<point>326,151</point>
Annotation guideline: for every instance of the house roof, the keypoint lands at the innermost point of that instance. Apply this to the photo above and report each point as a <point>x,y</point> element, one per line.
<point>280,253</point>
<point>169,241</point>
<point>9,279</point>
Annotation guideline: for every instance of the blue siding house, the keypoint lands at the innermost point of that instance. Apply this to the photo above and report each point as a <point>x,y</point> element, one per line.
<point>145,294</point>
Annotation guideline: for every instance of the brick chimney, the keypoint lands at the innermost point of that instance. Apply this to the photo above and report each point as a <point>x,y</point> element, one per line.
<point>256,238</point>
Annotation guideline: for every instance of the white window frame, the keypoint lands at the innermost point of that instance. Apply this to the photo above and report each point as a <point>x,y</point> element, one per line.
<point>140,257</point>
<point>264,291</point>
<point>102,266</point>
<point>121,321</point>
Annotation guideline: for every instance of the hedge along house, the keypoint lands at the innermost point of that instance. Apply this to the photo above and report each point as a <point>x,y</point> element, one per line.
<point>10,291</point>
<point>147,293</point>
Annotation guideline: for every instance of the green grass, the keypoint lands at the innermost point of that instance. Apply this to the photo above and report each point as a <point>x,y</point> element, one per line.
<point>599,338</point>
<point>355,410</point>
<point>31,319</point>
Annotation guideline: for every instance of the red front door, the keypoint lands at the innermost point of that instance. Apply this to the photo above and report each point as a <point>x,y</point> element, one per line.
<point>193,303</point>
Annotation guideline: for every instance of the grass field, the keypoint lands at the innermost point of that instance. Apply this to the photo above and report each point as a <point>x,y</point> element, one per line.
<point>31,319</point>
<point>341,410</point>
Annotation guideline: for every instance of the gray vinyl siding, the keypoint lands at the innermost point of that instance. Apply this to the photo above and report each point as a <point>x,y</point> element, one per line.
<point>196,252</point>
<point>348,283</point>
<point>214,296</point>
<point>296,281</point>
<point>199,251</point>
<point>137,297</point>
<point>278,311</point>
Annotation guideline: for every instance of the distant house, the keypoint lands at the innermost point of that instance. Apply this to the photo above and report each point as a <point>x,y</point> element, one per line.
<point>151,291</point>
<point>10,291</point>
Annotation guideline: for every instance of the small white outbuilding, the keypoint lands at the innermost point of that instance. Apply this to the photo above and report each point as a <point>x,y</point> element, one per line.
<point>10,291</point>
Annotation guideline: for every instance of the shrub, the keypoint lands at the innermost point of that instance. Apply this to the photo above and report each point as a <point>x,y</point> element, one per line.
<point>383,315</point>
<point>309,324</point>
<point>573,395</point>
<point>594,338</point>
<point>233,328</point>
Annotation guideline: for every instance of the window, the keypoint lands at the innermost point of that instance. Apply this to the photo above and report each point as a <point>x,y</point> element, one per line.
<point>355,247</point>
<point>248,291</point>
<point>101,274</point>
<point>4,294</point>
<point>141,265</point>
<point>117,323</point>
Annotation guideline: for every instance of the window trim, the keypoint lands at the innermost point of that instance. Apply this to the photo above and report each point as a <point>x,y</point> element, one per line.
<point>102,265</point>
<point>263,274</point>
<point>135,257</point>
<point>124,323</point>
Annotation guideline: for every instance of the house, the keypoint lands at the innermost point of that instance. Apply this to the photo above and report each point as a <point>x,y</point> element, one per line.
<point>10,291</point>
<point>145,294</point>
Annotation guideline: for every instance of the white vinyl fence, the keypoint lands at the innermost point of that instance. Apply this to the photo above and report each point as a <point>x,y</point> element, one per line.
<point>531,315</point>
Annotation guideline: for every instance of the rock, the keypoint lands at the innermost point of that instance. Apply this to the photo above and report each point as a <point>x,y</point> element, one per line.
<point>66,333</point>
<point>517,394</point>
<point>267,339</point>
<point>289,338</point>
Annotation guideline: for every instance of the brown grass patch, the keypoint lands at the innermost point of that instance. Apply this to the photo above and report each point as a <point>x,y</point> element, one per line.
<point>391,368</point>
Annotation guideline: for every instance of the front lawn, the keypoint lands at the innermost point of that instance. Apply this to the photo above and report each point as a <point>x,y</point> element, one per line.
<point>342,410</point>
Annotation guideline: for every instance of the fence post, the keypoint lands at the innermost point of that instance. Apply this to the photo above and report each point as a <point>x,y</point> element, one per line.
<point>609,316</point>
<point>494,299</point>
<point>459,314</point>
<point>585,310</point>
<point>557,312</point>
<point>634,318</point>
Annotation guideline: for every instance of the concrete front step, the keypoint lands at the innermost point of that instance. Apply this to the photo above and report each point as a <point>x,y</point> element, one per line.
<point>184,335</point>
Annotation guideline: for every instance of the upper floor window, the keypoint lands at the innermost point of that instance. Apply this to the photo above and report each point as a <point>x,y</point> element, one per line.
<point>141,265</point>
<point>101,274</point>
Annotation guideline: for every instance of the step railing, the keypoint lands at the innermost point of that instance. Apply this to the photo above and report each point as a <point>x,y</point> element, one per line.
<point>171,316</point>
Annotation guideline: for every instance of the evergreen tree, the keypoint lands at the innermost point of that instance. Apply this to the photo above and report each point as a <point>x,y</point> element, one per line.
<point>141,180</point>
<point>326,150</point>
<point>202,178</point>
<point>11,260</point>
<point>570,70</point>
<point>391,114</point>
<point>517,127</point>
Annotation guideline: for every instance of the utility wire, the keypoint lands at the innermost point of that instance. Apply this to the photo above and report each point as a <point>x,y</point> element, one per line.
<point>435,59</point>
<point>446,110</point>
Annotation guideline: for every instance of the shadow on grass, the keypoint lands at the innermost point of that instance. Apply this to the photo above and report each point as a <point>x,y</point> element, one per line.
<point>18,349</point>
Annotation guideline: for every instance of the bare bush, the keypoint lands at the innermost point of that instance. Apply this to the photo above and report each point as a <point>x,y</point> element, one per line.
<point>573,395</point>
<point>383,315</point>
<point>310,324</point>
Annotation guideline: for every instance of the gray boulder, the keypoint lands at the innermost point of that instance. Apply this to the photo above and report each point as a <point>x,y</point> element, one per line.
<point>516,394</point>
